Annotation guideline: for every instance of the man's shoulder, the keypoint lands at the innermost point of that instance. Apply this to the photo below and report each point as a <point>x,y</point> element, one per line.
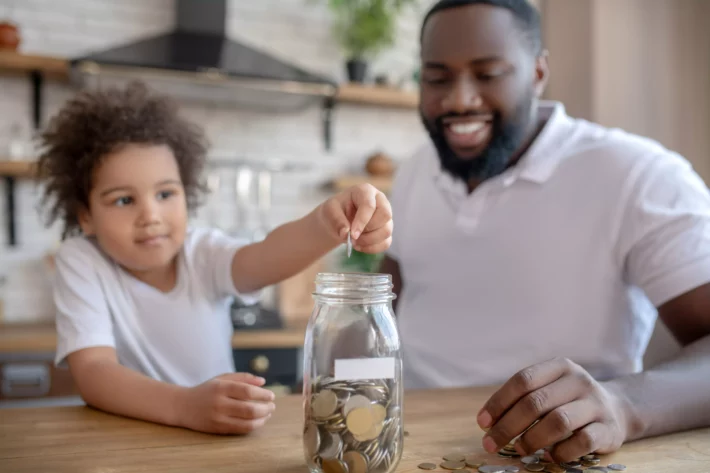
<point>616,145</point>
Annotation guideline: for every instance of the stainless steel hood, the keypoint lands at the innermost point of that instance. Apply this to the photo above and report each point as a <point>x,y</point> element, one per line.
<point>197,60</point>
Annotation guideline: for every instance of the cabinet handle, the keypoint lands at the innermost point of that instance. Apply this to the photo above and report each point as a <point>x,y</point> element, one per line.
<point>25,380</point>
<point>259,364</point>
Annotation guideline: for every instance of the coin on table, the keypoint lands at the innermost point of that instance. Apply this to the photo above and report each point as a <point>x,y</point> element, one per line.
<point>530,459</point>
<point>616,467</point>
<point>451,465</point>
<point>588,457</point>
<point>554,468</point>
<point>512,469</point>
<point>324,404</point>
<point>534,467</point>
<point>473,462</point>
<point>334,466</point>
<point>593,462</point>
<point>454,457</point>
<point>426,466</point>
<point>356,462</point>
<point>572,464</point>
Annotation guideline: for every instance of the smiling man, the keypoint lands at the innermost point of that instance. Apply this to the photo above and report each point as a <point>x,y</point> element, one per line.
<point>536,251</point>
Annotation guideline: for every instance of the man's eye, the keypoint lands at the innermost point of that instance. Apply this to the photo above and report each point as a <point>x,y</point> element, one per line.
<point>435,80</point>
<point>122,201</point>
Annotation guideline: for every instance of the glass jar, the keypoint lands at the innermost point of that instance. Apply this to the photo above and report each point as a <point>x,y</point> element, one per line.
<point>352,376</point>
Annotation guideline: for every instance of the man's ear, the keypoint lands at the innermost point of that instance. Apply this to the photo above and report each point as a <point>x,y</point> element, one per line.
<point>542,73</point>
<point>85,221</point>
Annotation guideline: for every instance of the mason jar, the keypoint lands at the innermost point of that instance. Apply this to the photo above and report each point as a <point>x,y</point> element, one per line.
<point>352,376</point>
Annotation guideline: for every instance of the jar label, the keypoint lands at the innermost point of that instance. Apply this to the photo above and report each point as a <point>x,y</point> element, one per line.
<point>364,368</point>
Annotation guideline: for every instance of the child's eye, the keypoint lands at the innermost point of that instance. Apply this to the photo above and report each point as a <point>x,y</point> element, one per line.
<point>121,201</point>
<point>162,195</point>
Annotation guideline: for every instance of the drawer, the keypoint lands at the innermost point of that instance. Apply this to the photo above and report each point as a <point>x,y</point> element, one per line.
<point>31,376</point>
<point>279,366</point>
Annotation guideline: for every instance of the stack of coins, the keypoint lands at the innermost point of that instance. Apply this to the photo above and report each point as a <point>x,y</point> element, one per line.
<point>353,427</point>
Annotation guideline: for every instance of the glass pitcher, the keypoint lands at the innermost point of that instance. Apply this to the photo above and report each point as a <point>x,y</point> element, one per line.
<point>352,373</point>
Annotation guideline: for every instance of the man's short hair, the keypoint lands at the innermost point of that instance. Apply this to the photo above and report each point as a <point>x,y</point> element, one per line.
<point>526,15</point>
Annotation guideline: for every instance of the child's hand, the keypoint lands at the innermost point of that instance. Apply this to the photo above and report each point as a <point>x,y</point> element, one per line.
<point>233,403</point>
<point>364,211</point>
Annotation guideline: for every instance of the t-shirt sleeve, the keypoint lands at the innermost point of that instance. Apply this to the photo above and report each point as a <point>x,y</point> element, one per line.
<point>665,231</point>
<point>214,251</point>
<point>82,315</point>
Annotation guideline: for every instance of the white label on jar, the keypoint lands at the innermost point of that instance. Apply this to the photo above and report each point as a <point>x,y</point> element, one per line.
<point>364,368</point>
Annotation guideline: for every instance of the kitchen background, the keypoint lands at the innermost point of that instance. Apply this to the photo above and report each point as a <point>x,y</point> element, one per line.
<point>639,64</point>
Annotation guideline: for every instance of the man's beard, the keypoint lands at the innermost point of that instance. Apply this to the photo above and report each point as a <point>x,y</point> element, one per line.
<point>507,138</point>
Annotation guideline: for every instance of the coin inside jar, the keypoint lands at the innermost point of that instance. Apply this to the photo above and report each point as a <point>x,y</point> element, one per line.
<point>324,404</point>
<point>356,462</point>
<point>334,466</point>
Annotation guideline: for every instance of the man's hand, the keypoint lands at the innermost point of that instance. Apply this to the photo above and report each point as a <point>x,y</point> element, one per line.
<point>365,212</point>
<point>572,413</point>
<point>232,403</point>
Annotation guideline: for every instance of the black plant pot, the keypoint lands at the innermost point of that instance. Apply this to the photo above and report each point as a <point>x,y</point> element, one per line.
<point>357,70</point>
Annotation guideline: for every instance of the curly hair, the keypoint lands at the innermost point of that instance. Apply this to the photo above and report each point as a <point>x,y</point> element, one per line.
<point>97,122</point>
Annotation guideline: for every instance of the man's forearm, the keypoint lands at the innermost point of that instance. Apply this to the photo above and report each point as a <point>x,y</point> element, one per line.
<point>114,388</point>
<point>286,251</point>
<point>670,397</point>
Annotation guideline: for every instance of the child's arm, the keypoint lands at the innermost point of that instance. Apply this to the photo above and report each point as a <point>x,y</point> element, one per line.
<point>233,403</point>
<point>294,246</point>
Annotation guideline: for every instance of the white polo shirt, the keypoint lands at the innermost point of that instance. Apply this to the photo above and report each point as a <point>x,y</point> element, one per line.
<point>565,254</point>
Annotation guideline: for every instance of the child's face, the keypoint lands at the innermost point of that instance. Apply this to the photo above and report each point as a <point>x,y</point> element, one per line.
<point>137,207</point>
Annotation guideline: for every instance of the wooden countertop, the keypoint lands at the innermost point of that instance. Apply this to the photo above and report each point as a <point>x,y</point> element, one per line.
<point>33,338</point>
<point>80,439</point>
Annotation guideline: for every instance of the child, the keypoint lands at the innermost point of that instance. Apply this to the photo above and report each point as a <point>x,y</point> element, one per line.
<point>142,300</point>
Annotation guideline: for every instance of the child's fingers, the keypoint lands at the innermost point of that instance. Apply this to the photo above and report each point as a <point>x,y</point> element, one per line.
<point>375,236</point>
<point>365,200</point>
<point>244,378</point>
<point>248,409</point>
<point>336,218</point>
<point>248,392</point>
<point>235,425</point>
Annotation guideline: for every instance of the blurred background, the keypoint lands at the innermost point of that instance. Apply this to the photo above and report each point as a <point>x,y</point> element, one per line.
<point>326,99</point>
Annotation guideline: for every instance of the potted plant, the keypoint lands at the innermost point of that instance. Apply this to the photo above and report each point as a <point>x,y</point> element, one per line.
<point>363,28</point>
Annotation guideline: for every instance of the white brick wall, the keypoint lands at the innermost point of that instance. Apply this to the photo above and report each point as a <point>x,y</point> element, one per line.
<point>298,30</point>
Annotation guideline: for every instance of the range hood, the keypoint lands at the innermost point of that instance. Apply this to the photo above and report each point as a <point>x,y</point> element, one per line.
<point>198,61</point>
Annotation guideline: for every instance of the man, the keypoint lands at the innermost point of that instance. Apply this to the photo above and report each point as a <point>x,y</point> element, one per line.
<point>527,238</point>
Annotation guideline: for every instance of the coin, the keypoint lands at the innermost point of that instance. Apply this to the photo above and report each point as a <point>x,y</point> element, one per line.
<point>427,466</point>
<point>512,469</point>
<point>356,462</point>
<point>530,459</point>
<point>473,462</point>
<point>592,462</point>
<point>534,467</point>
<point>355,401</point>
<point>453,465</point>
<point>454,457</point>
<point>349,245</point>
<point>324,404</point>
<point>312,438</point>
<point>334,466</point>
<point>331,446</point>
<point>572,464</point>
<point>575,470</point>
<point>616,467</point>
<point>359,421</point>
<point>588,457</point>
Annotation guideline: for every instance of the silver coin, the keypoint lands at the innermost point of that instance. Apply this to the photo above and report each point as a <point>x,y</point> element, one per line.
<point>512,469</point>
<point>350,245</point>
<point>530,459</point>
<point>616,467</point>
<point>331,446</point>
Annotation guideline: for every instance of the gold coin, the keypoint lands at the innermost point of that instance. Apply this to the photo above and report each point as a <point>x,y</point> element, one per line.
<point>356,461</point>
<point>454,457</point>
<point>553,468</point>
<point>592,462</point>
<point>451,465</point>
<point>359,422</point>
<point>324,404</point>
<point>427,466</point>
<point>473,462</point>
<point>534,467</point>
<point>334,466</point>
<point>312,439</point>
<point>379,413</point>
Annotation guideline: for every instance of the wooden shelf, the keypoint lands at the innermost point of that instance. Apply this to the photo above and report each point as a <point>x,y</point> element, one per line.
<point>18,169</point>
<point>340,183</point>
<point>377,95</point>
<point>57,68</point>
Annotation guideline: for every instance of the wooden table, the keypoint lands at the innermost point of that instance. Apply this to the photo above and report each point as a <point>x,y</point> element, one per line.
<point>80,439</point>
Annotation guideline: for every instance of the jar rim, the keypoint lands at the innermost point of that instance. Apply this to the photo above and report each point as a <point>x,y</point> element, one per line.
<point>354,287</point>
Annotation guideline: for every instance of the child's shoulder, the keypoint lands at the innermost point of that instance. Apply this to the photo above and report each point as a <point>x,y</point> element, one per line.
<point>81,247</point>
<point>199,239</point>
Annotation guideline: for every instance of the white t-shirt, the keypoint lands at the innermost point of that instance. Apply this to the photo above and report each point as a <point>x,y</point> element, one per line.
<point>567,254</point>
<point>181,337</point>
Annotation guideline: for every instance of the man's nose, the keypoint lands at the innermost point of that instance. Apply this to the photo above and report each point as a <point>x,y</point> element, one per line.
<point>463,97</point>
